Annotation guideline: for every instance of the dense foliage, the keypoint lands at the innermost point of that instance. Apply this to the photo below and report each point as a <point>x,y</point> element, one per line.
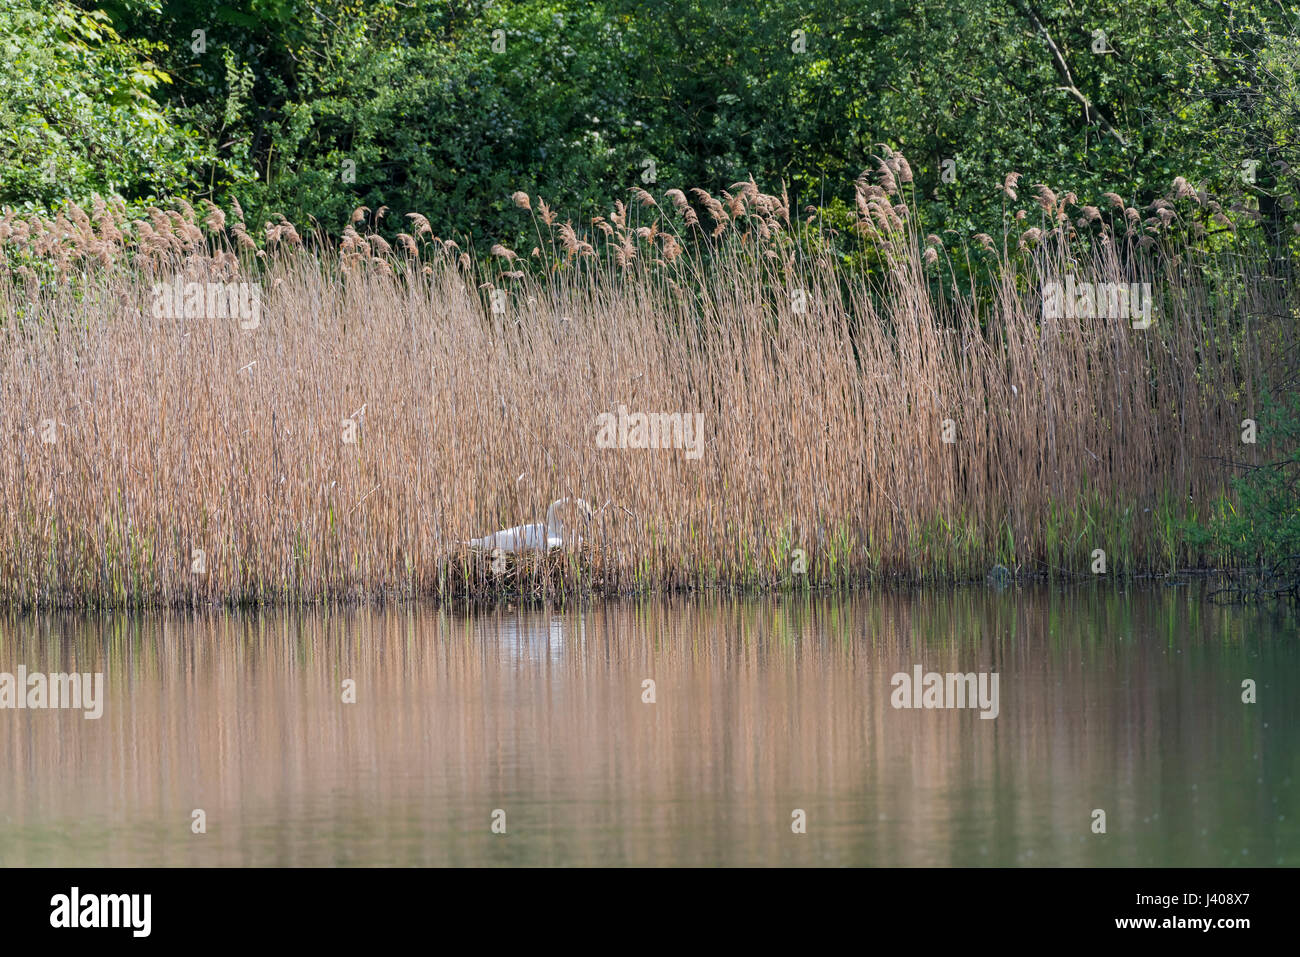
<point>1261,528</point>
<point>81,110</point>
<point>314,107</point>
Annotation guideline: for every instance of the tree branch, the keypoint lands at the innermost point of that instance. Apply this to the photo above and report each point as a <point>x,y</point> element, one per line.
<point>1063,70</point>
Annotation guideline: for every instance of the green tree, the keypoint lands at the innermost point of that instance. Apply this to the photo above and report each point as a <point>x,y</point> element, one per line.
<point>78,111</point>
<point>314,107</point>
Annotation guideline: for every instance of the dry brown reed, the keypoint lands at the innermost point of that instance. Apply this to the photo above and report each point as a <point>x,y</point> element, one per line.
<point>824,356</point>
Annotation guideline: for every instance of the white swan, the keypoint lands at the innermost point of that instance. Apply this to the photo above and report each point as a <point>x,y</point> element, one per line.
<point>535,537</point>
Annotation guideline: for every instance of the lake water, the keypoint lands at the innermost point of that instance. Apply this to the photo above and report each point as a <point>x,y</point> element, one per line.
<point>1117,699</point>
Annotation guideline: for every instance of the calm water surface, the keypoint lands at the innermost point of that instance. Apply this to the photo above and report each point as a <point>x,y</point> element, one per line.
<point>1129,701</point>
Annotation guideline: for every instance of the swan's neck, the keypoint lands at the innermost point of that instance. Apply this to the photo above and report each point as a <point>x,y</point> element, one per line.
<point>552,525</point>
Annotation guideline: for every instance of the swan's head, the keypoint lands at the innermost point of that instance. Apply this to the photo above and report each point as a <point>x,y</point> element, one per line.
<point>564,516</point>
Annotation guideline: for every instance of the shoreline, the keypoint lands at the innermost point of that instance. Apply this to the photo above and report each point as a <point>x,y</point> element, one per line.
<point>557,598</point>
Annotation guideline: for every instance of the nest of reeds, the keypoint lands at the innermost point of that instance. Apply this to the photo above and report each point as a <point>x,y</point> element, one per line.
<point>477,575</point>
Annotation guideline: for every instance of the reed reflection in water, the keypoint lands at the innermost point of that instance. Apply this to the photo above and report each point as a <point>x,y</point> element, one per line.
<point>1123,700</point>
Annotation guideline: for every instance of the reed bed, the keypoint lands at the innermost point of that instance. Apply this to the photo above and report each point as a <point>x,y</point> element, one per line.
<point>400,395</point>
